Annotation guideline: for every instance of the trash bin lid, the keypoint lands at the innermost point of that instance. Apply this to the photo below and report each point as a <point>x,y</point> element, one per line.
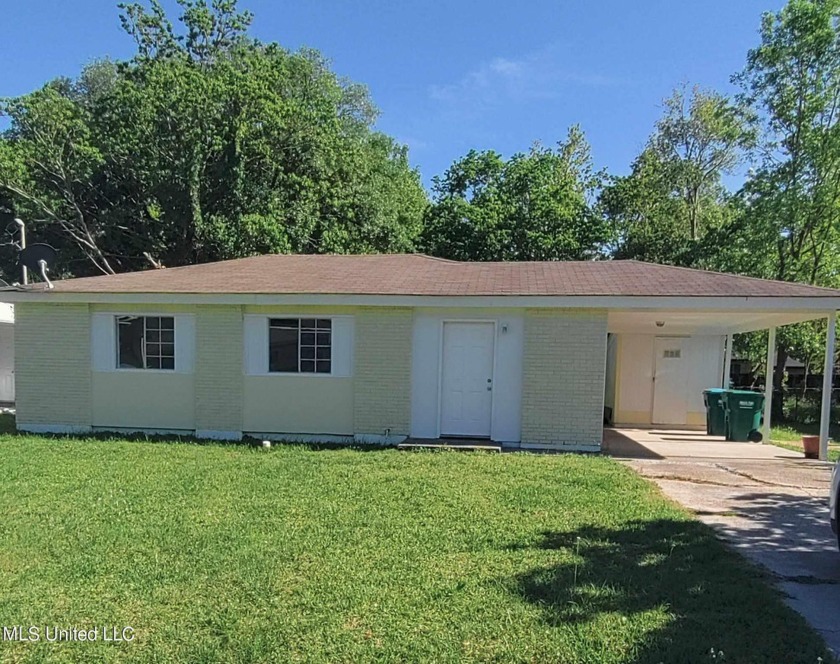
<point>743,399</point>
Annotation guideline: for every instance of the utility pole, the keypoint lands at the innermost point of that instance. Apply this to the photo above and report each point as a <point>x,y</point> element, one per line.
<point>22,227</point>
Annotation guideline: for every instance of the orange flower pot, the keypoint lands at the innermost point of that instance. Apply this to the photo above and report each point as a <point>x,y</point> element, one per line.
<point>811,445</point>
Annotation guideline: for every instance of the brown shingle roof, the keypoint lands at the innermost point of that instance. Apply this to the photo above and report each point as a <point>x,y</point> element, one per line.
<point>415,274</point>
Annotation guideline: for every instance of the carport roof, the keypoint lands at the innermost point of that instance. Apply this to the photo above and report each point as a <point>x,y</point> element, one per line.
<point>417,274</point>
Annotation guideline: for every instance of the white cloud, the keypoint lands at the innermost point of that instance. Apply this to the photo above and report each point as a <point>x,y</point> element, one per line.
<point>414,144</point>
<point>534,76</point>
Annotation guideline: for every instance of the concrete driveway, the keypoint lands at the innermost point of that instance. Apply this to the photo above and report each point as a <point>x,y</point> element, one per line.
<point>768,503</point>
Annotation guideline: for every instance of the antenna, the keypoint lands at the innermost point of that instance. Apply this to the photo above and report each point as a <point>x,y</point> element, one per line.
<point>22,228</point>
<point>38,257</point>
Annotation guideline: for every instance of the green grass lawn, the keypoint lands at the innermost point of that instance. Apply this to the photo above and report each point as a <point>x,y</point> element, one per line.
<point>238,554</point>
<point>790,437</point>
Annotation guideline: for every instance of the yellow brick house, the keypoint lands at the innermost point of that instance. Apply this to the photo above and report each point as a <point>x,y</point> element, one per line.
<point>380,348</point>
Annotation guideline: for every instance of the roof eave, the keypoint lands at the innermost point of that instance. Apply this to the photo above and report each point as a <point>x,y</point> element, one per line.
<point>820,303</point>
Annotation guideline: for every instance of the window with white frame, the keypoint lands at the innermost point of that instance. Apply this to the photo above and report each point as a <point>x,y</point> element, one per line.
<point>300,345</point>
<point>146,342</point>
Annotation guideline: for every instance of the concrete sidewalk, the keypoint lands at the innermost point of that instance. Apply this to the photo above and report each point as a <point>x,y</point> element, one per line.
<point>768,503</point>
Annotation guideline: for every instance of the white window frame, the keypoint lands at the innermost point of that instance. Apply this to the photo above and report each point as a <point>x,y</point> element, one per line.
<point>145,318</point>
<point>300,344</point>
<point>105,341</point>
<point>256,340</point>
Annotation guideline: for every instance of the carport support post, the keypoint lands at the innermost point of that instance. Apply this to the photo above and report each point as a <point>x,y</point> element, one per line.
<point>828,376</point>
<point>768,383</point>
<point>727,362</point>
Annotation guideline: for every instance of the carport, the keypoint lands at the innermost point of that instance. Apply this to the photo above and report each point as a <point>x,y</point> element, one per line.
<point>766,502</point>
<point>664,347</point>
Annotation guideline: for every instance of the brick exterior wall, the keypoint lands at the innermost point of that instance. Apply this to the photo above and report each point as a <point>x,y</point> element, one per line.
<point>563,372</point>
<point>218,368</point>
<point>52,365</point>
<point>564,367</point>
<point>382,372</point>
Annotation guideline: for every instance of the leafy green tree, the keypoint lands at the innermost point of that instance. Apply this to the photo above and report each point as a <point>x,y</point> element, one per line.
<point>790,212</point>
<point>211,29</point>
<point>674,195</point>
<point>792,80</point>
<point>207,145</point>
<point>51,165</point>
<point>534,206</point>
<point>648,219</point>
<point>700,138</point>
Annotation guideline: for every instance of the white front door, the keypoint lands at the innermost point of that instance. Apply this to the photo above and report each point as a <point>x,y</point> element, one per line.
<point>669,381</point>
<point>467,379</point>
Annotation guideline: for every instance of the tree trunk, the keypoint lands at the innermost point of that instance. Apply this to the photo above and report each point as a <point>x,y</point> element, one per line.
<point>195,225</point>
<point>805,382</point>
<point>778,380</point>
<point>692,212</point>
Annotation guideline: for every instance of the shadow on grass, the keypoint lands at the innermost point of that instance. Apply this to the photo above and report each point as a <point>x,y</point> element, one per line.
<point>711,598</point>
<point>9,428</point>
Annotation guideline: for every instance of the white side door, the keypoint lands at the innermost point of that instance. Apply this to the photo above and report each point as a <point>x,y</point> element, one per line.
<point>669,381</point>
<point>467,379</point>
<point>7,362</point>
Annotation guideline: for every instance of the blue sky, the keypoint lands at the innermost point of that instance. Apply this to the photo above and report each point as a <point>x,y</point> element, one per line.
<point>453,76</point>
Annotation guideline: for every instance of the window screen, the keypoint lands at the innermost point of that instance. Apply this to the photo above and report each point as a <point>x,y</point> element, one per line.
<point>300,345</point>
<point>146,342</point>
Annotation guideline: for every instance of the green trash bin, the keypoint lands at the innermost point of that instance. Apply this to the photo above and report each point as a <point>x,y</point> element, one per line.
<point>743,413</point>
<point>715,411</point>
